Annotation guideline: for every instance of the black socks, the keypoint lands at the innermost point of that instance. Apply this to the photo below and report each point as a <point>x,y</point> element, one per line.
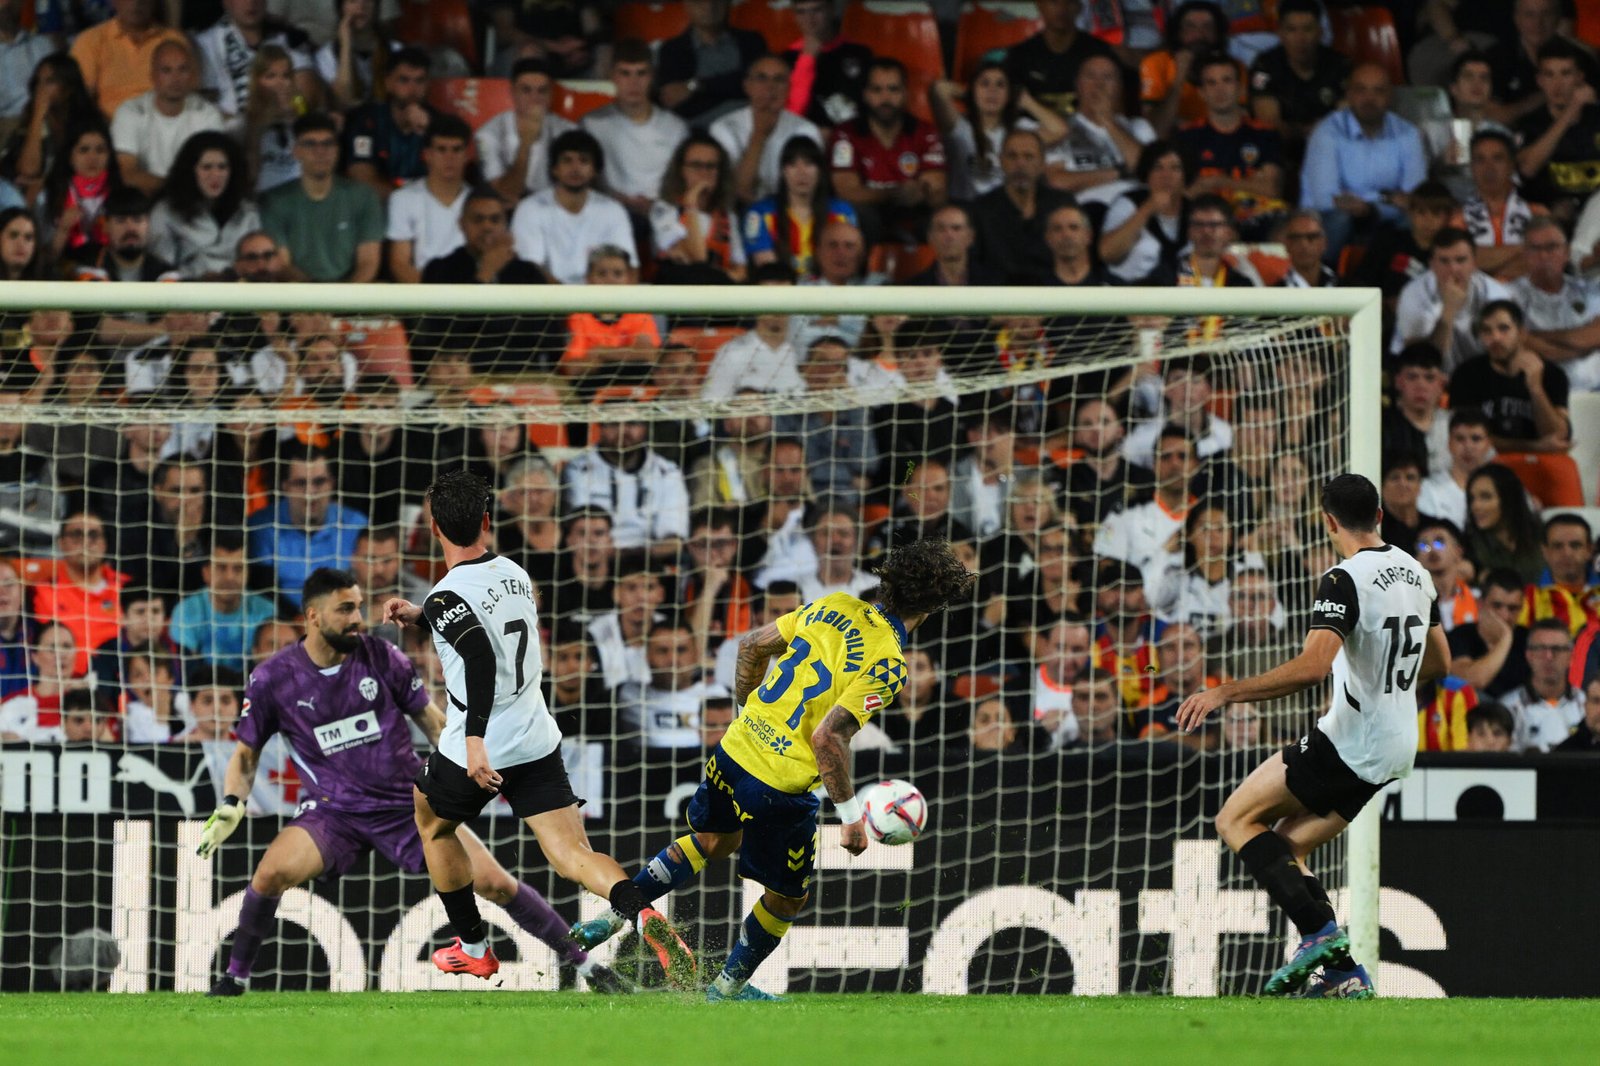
<point>461,906</point>
<point>1270,862</point>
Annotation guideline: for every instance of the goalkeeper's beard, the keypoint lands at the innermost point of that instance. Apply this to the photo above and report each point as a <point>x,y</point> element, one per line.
<point>344,642</point>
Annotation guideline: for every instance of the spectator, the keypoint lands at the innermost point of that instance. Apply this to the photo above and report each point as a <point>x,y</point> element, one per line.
<point>1563,591</point>
<point>696,233</point>
<point>755,134</point>
<point>1561,140</point>
<point>1238,158</point>
<point>214,706</point>
<point>486,256</point>
<point>1170,87</point>
<point>1180,673</point>
<point>115,55</point>
<point>148,129</point>
<point>1211,231</point>
<point>609,349</point>
<point>1523,397</point>
<point>563,33</point>
<point>1125,631</point>
<point>575,694</point>
<point>780,228</point>
<point>994,730</point>
<point>835,534</point>
<point>352,62</point>
<point>993,108</point>
<point>583,583</point>
<point>81,176</point>
<point>1443,306</point>
<point>1403,474</point>
<point>215,624</point>
<point>1360,162</point>
<point>1146,228</point>
<point>644,493</point>
<point>555,228</point>
<point>1100,481</point>
<point>83,593</point>
<point>1102,146</point>
<point>922,509</point>
<point>84,721</point>
<point>1010,220</point>
<point>1495,213</point>
<point>699,71</point>
<point>1257,625</point>
<point>303,528</point>
<point>381,464</point>
<point>841,447</point>
<point>1516,60</point>
<point>381,143</point>
<point>57,99</point>
<point>1046,64</point>
<point>636,137</point>
<point>772,536</point>
<point>425,214</point>
<point>1186,395</point>
<point>1060,660</point>
<point>620,635</point>
<point>925,427</point>
<point>514,146</point>
<point>1396,257</point>
<point>168,551</point>
<point>716,716</point>
<point>205,210</point>
<point>1501,528</point>
<point>1472,109</point>
<point>529,530</point>
<point>330,227</point>
<point>1307,244</point>
<point>1586,737</point>
<point>951,236</point>
<point>841,259</point>
<point>761,359</point>
<point>19,631</point>
<point>829,71</point>
<point>228,48</point>
<point>33,715</point>
<point>1069,234</point>
<point>375,564</point>
<point>1548,709</point>
<point>1138,533</point>
<point>267,125</point>
<point>888,163</point>
<point>143,631</point>
<point>20,52</point>
<point>1444,493</point>
<point>271,638</point>
<point>1296,84</point>
<point>712,592</point>
<point>153,709</point>
<point>1416,421</point>
<point>1563,310</point>
<point>984,474</point>
<point>1193,585</point>
<point>772,603</point>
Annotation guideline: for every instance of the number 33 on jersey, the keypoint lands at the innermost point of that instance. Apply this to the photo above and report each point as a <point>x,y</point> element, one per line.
<point>842,652</point>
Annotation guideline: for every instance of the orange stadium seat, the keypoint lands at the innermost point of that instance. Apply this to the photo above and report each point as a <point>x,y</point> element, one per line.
<point>989,27</point>
<point>1588,25</point>
<point>901,262</point>
<point>542,434</point>
<point>1367,35</point>
<point>381,347</point>
<point>476,100</point>
<point>1552,479</point>
<point>705,340</point>
<point>574,99</point>
<point>773,19</point>
<point>906,31</point>
<point>649,22</point>
<point>439,22</point>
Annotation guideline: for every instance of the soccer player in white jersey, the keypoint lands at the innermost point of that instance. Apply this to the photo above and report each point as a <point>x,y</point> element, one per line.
<point>1375,627</point>
<point>499,737</point>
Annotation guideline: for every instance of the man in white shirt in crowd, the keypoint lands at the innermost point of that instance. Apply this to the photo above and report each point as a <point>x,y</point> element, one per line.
<point>1186,401</point>
<point>555,228</point>
<point>514,146</point>
<point>1548,708</point>
<point>754,135</point>
<point>425,213</point>
<point>1496,214</point>
<point>761,359</point>
<point>1444,494</point>
<point>1563,309</point>
<point>620,634</point>
<point>228,48</point>
<point>664,713</point>
<point>148,129</point>
<point>1061,658</point>
<point>836,539</point>
<point>1139,533</point>
<point>644,493</point>
<point>1102,144</point>
<point>1304,237</point>
<point>638,137</point>
<point>1443,305</point>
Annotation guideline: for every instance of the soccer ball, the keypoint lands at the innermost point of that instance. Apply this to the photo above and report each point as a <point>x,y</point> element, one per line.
<point>895,811</point>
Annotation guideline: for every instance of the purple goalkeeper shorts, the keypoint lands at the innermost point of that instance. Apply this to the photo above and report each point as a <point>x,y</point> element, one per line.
<point>343,837</point>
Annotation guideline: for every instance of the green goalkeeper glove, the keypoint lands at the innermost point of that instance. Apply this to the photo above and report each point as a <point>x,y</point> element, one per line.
<point>220,826</point>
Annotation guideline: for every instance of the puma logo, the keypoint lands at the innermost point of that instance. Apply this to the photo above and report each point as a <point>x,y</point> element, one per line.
<point>137,770</point>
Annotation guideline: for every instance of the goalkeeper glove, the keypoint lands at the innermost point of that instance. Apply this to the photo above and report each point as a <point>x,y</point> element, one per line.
<point>220,826</point>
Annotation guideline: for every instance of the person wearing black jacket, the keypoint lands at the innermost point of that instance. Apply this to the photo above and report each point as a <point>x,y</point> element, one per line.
<point>700,72</point>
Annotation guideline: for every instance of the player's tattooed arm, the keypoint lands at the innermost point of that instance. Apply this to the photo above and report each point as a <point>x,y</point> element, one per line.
<point>755,648</point>
<point>240,777</point>
<point>431,721</point>
<point>831,744</point>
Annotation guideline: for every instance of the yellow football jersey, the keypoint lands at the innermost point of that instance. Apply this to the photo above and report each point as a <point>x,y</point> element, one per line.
<point>842,652</point>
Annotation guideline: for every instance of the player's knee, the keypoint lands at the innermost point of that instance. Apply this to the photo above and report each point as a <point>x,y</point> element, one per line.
<point>270,879</point>
<point>496,886</point>
<point>785,907</point>
<point>718,845</point>
<point>566,859</point>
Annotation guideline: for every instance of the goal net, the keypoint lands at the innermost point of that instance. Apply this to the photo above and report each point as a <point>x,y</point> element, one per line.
<point>1132,473</point>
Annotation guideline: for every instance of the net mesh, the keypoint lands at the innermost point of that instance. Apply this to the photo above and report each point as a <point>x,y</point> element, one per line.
<point>1138,496</point>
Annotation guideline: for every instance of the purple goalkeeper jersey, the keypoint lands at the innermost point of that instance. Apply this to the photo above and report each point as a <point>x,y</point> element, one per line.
<point>346,726</point>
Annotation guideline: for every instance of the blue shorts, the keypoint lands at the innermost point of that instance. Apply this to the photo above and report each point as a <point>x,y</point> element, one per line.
<point>780,828</point>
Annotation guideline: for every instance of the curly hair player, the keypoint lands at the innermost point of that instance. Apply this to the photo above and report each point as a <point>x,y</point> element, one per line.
<point>499,737</point>
<point>1369,614</point>
<point>843,661</point>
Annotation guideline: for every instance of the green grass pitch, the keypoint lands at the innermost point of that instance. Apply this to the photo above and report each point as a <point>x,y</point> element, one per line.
<point>664,1029</point>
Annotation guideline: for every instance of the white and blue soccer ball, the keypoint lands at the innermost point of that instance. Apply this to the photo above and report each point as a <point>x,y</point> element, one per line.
<point>896,812</point>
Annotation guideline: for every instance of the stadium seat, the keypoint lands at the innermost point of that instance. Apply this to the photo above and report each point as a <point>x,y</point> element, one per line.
<point>574,99</point>
<point>901,262</point>
<point>381,347</point>
<point>1587,26</point>
<point>476,100</point>
<point>1350,257</point>
<point>1367,35</point>
<point>1584,410</point>
<point>906,31</point>
<point>541,434</point>
<point>1552,479</point>
<point>649,22</point>
<point>991,26</point>
<point>705,340</point>
<point>439,23</point>
<point>773,19</point>
<point>975,686</point>
<point>1271,261</point>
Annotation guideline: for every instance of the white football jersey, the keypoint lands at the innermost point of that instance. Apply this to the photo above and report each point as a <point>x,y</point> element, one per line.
<point>495,594</point>
<point>1381,601</point>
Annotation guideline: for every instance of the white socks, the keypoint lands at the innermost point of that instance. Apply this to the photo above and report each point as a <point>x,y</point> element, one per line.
<point>477,949</point>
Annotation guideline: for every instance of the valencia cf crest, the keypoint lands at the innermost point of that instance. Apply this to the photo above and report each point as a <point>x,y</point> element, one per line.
<point>369,689</point>
<point>909,164</point>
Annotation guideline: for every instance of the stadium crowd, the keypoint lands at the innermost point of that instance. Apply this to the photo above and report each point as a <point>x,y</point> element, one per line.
<point>1140,533</point>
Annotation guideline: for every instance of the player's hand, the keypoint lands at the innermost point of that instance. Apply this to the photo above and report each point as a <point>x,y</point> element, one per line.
<point>219,827</point>
<point>403,611</point>
<point>478,767</point>
<point>1197,707</point>
<point>853,837</point>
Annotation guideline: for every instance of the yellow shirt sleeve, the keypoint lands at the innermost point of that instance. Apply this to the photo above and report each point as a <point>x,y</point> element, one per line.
<point>874,688</point>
